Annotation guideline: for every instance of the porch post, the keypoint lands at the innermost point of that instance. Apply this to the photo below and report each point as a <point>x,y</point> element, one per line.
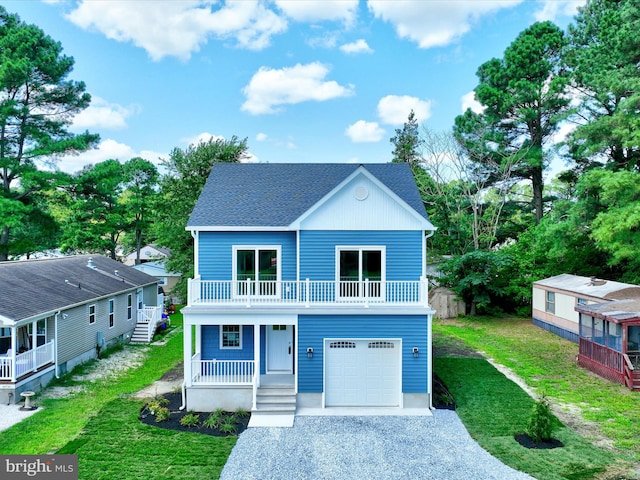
<point>256,352</point>
<point>186,347</point>
<point>34,344</point>
<point>14,348</point>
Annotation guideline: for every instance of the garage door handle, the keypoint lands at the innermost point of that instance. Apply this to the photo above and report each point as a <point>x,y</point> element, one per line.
<point>289,349</point>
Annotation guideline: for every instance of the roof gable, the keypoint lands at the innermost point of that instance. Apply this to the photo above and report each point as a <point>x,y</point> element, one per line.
<point>275,195</point>
<point>38,287</point>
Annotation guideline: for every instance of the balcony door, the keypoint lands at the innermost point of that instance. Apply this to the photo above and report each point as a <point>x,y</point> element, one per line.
<point>257,271</point>
<point>361,271</point>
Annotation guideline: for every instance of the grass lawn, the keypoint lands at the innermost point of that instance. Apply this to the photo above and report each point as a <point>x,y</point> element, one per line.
<point>493,408</point>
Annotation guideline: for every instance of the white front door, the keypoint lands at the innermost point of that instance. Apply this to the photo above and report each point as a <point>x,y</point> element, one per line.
<point>279,349</point>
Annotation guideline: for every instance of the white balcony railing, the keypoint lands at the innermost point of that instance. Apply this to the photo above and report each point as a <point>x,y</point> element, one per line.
<point>26,362</point>
<point>222,372</point>
<point>308,292</point>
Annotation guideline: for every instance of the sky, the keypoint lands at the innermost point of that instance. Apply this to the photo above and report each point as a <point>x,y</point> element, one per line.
<point>302,81</point>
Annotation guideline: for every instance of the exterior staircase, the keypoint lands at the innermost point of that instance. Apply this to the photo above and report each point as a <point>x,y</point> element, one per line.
<point>275,406</point>
<point>140,333</point>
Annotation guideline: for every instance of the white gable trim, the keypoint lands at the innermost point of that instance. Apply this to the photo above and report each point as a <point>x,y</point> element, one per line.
<point>361,170</point>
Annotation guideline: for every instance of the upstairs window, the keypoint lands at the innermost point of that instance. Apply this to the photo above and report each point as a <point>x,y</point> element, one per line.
<point>360,270</point>
<point>256,269</point>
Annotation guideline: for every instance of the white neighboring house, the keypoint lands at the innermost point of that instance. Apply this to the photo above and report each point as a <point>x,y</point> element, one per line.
<point>555,299</point>
<point>167,280</point>
<point>148,253</point>
<point>59,312</point>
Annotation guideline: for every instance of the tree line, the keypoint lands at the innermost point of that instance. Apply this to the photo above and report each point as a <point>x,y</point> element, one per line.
<point>572,97</point>
<point>501,223</point>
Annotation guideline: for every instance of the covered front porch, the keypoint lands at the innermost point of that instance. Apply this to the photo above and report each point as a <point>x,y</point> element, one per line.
<point>238,361</point>
<point>25,349</point>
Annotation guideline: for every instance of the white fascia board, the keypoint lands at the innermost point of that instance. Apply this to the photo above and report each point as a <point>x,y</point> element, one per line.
<point>426,224</point>
<point>236,228</point>
<point>7,322</point>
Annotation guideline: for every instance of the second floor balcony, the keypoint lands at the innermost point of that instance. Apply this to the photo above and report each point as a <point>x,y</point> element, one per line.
<point>309,293</point>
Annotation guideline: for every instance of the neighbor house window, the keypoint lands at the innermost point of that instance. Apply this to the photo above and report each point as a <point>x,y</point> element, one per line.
<point>112,315</point>
<point>92,314</point>
<point>256,269</point>
<point>231,336</point>
<point>550,304</point>
<point>358,267</point>
<point>129,307</point>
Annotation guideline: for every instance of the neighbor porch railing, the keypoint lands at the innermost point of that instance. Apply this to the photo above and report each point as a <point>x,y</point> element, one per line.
<point>151,317</point>
<point>606,362</point>
<point>309,292</point>
<point>27,362</point>
<point>222,372</point>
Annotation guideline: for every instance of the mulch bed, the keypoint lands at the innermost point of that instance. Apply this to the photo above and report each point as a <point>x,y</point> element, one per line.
<point>175,415</point>
<point>527,442</point>
<point>442,399</point>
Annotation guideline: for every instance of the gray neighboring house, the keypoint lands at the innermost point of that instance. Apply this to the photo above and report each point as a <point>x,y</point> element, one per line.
<point>59,312</point>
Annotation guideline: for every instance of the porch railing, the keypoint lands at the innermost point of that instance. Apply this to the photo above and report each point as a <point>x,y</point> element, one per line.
<point>606,362</point>
<point>308,292</point>
<point>222,372</point>
<point>26,362</point>
<point>152,317</point>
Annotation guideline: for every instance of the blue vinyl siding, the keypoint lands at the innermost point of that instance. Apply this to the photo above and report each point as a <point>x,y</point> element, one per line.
<point>313,329</point>
<point>215,252</point>
<point>210,347</point>
<point>403,252</point>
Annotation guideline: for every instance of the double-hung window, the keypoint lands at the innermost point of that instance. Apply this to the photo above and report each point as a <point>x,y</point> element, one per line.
<point>361,271</point>
<point>550,303</point>
<point>129,306</point>
<point>92,314</point>
<point>112,313</point>
<point>256,270</point>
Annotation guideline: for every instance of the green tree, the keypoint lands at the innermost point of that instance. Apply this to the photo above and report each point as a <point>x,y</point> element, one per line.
<point>186,173</point>
<point>603,56</point>
<point>97,216</point>
<point>524,99</point>
<point>37,105</point>
<point>407,142</point>
<point>140,178</point>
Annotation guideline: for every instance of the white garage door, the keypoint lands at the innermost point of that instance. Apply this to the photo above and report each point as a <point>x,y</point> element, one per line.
<point>362,373</point>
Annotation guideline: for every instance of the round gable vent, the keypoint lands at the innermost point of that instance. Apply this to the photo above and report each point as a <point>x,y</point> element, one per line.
<point>361,192</point>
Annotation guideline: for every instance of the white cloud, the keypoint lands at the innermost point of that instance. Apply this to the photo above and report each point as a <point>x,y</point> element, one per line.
<point>106,149</point>
<point>552,9</point>
<point>469,101</point>
<point>434,23</point>
<point>359,46</point>
<point>362,131</point>
<point>395,109</point>
<point>261,137</point>
<point>269,88</point>
<point>201,138</point>
<point>320,10</point>
<point>105,115</point>
<point>179,28</point>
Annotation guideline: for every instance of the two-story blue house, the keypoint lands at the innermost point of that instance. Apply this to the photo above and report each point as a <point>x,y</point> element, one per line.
<point>309,289</point>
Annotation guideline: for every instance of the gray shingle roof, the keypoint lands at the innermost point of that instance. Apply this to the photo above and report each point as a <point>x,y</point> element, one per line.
<point>35,287</point>
<point>276,194</point>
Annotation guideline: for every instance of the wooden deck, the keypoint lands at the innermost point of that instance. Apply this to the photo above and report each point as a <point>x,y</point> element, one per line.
<point>610,364</point>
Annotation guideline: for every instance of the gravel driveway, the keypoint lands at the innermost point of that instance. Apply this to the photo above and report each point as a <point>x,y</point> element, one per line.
<point>336,448</point>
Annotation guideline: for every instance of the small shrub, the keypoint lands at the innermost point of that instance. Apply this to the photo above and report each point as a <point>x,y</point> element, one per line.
<point>242,413</point>
<point>162,414</point>
<point>219,412</point>
<point>213,421</point>
<point>229,425</point>
<point>190,420</point>
<point>541,421</point>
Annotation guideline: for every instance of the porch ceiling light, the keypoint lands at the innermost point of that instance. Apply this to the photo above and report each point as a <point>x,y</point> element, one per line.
<point>309,352</point>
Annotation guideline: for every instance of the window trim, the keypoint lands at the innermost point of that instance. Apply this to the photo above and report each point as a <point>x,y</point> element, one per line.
<point>92,316</point>
<point>112,313</point>
<point>256,249</point>
<point>222,332</point>
<point>129,306</point>
<point>360,249</point>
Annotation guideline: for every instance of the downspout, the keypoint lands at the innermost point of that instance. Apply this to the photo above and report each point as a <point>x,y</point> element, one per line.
<point>429,330</point>
<point>55,344</point>
<point>184,396</point>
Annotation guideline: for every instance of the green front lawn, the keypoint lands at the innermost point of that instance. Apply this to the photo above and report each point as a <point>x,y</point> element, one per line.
<point>494,408</point>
